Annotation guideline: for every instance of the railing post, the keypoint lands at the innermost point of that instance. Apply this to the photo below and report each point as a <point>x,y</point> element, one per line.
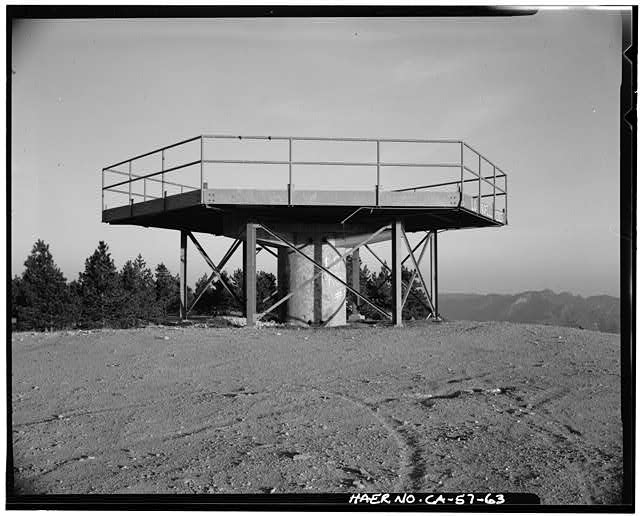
<point>396,272</point>
<point>506,196</point>
<point>494,192</point>
<point>434,265</point>
<point>461,171</point>
<point>162,176</point>
<point>129,182</point>
<point>102,209</point>
<point>201,169</point>
<point>479,185</point>
<point>290,184</point>
<point>377,172</point>
<point>144,189</point>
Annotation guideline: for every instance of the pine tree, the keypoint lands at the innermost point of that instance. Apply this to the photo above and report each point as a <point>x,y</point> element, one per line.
<point>265,286</point>
<point>414,308</point>
<point>42,298</point>
<point>206,304</point>
<point>100,289</point>
<point>75,307</point>
<point>139,293</point>
<point>237,285</point>
<point>167,291</point>
<point>17,298</point>
<point>379,291</point>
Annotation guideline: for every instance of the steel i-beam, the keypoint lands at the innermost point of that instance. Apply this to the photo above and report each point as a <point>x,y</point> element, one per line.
<point>355,281</point>
<point>396,272</point>
<point>434,263</point>
<point>249,273</point>
<point>183,275</point>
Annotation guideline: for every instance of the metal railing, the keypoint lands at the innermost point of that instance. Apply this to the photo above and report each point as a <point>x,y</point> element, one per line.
<point>464,165</point>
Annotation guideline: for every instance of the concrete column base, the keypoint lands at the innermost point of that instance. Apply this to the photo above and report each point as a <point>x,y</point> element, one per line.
<point>323,300</point>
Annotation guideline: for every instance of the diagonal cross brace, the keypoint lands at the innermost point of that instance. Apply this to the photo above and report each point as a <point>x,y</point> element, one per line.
<point>414,274</point>
<point>324,269</point>
<point>261,246</point>
<point>417,268</point>
<point>214,274</point>
<point>216,270</point>
<point>428,235</point>
<point>384,265</point>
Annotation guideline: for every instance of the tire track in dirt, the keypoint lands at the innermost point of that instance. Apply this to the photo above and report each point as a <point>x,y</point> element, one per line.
<point>564,436</point>
<point>570,444</point>
<point>408,452</point>
<point>68,415</point>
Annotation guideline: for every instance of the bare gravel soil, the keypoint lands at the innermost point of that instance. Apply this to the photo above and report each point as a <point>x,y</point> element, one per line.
<point>456,406</point>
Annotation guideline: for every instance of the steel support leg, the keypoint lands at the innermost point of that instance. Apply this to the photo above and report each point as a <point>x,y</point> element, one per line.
<point>396,272</point>
<point>249,273</point>
<point>183,275</point>
<point>355,282</point>
<point>434,277</point>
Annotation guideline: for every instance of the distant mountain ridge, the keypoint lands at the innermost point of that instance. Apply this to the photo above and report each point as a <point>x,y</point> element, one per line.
<point>600,313</point>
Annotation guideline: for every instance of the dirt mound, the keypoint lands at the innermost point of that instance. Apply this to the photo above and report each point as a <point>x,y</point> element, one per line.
<point>430,407</point>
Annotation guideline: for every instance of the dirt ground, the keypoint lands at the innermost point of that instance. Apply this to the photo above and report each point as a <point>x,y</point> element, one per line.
<point>455,406</point>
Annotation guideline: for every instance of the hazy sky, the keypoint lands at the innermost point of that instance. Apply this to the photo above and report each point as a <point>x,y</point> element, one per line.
<point>539,95</point>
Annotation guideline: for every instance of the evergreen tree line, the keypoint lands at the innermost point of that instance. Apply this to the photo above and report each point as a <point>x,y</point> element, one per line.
<point>103,296</point>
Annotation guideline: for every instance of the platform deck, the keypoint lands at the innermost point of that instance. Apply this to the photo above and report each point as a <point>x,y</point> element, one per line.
<point>207,210</point>
<point>442,184</point>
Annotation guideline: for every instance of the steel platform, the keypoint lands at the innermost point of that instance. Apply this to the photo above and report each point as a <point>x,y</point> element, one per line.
<point>347,211</point>
<point>468,198</point>
<point>457,188</point>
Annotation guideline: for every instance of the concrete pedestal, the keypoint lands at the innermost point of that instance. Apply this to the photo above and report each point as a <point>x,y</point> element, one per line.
<point>321,301</point>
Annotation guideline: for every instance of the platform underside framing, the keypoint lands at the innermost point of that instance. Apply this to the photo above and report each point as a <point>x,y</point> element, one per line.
<point>424,211</point>
<point>251,247</point>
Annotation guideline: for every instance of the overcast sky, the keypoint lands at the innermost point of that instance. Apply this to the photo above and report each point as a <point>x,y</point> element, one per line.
<point>539,95</point>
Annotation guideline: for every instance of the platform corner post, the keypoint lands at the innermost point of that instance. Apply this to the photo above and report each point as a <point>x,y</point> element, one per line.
<point>355,281</point>
<point>183,275</point>
<point>377,172</point>
<point>434,274</point>
<point>202,169</point>
<point>396,272</point>
<point>249,273</point>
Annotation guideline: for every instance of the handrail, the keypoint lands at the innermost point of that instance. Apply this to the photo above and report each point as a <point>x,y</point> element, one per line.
<point>325,139</point>
<point>481,177</point>
<point>334,163</point>
<point>139,156</point>
<point>150,179</point>
<point>137,194</point>
<point>448,183</point>
<point>461,164</point>
<point>155,174</point>
<point>483,157</point>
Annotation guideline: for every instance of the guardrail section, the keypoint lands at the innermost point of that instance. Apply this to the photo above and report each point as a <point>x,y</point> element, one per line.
<point>310,163</point>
